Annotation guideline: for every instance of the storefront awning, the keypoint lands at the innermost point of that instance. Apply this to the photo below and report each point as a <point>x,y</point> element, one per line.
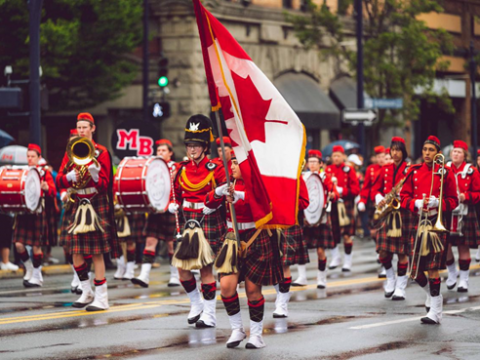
<point>344,93</point>
<point>307,99</point>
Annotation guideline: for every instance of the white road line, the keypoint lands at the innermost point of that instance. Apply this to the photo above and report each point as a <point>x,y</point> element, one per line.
<point>410,319</point>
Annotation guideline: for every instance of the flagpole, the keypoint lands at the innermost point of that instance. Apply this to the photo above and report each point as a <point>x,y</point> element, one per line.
<point>225,165</point>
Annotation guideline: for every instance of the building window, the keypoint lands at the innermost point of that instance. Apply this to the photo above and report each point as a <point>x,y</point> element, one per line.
<point>287,4</point>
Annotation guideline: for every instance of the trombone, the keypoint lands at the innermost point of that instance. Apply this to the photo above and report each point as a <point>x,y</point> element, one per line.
<point>427,235</point>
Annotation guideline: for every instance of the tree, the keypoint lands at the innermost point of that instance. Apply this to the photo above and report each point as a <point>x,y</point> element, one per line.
<point>84,44</point>
<point>400,52</point>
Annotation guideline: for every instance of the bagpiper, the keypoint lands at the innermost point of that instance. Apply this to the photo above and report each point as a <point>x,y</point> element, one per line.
<point>159,227</point>
<point>319,236</point>
<point>343,217</point>
<point>420,196</point>
<point>31,229</point>
<point>196,177</point>
<point>393,236</point>
<point>464,228</point>
<point>258,263</point>
<point>92,229</point>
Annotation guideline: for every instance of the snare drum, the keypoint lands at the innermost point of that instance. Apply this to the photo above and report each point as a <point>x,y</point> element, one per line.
<point>316,194</point>
<point>20,190</point>
<point>143,184</point>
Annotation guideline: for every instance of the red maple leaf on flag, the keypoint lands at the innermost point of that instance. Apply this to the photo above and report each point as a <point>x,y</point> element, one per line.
<point>253,107</point>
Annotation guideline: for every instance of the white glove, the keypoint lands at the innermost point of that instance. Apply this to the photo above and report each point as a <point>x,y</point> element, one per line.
<point>361,207</point>
<point>94,171</point>
<point>208,211</point>
<point>340,190</point>
<point>433,202</point>
<point>379,198</point>
<point>72,176</point>
<point>173,208</point>
<point>419,204</point>
<point>221,190</point>
<point>63,196</point>
<point>237,195</point>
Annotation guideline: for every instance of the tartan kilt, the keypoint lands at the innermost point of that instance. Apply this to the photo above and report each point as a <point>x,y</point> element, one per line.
<point>160,226</point>
<point>320,236</point>
<point>401,245</point>
<point>213,226</point>
<point>51,222</point>
<point>336,231</point>
<point>136,222</point>
<point>30,229</point>
<point>95,242</point>
<point>262,264</point>
<point>294,246</point>
<point>350,208</point>
<point>64,223</point>
<point>431,261</point>
<point>470,231</point>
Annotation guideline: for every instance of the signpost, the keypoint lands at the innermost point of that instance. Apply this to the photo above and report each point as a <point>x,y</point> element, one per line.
<point>358,115</point>
<point>384,103</point>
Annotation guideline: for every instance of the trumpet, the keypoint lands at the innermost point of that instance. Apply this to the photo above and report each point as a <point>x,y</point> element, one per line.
<point>81,153</point>
<point>427,235</point>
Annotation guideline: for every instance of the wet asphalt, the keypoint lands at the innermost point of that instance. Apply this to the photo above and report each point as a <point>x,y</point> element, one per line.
<point>351,319</point>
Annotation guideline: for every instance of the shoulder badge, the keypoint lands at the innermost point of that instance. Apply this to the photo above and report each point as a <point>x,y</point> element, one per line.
<point>470,171</point>
<point>346,169</point>
<point>211,166</point>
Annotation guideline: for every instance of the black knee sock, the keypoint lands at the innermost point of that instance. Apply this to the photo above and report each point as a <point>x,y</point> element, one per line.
<point>37,260</point>
<point>348,248</point>
<point>24,256</point>
<point>386,262</point>
<point>284,286</point>
<point>130,255</point>
<point>256,309</point>
<point>232,304</point>
<point>322,264</point>
<point>434,286</point>
<point>149,257</point>
<point>464,264</point>
<point>89,261</point>
<point>209,291</point>
<point>189,285</point>
<point>421,279</point>
<point>99,282</point>
<point>82,271</point>
<point>402,269</point>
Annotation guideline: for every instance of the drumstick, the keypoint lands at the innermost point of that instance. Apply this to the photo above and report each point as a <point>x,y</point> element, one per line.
<point>177,223</point>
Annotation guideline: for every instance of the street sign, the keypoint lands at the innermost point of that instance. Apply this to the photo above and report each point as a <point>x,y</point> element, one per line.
<point>384,103</point>
<point>358,115</point>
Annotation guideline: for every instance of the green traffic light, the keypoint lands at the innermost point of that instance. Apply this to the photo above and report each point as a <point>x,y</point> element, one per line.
<point>162,81</point>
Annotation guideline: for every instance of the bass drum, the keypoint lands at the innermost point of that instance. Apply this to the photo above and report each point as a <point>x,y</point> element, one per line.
<point>318,200</point>
<point>143,184</point>
<point>20,190</point>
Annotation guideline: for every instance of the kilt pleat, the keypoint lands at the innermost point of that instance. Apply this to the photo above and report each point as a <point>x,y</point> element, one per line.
<point>401,245</point>
<point>320,236</point>
<point>136,222</point>
<point>64,224</point>
<point>51,221</point>
<point>160,226</point>
<point>294,246</point>
<point>30,229</point>
<point>470,231</point>
<point>213,226</point>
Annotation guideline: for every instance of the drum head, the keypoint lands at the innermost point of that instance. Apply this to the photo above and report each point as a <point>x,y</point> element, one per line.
<point>158,184</point>
<point>313,213</point>
<point>33,191</point>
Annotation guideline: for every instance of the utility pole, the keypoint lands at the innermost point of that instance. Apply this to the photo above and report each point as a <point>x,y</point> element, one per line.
<point>360,99</point>
<point>473,73</point>
<point>145,61</point>
<point>35,10</point>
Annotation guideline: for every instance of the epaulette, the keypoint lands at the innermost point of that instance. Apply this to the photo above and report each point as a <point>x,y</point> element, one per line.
<point>346,169</point>
<point>211,165</point>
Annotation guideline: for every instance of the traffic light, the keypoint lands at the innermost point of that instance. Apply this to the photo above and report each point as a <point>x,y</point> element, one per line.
<point>163,72</point>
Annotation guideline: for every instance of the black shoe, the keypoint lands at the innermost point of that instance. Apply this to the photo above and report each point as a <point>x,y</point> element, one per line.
<point>139,282</point>
<point>201,325</point>
<point>73,289</point>
<point>389,295</point>
<point>451,286</point>
<point>79,305</point>
<point>233,344</point>
<point>29,284</point>
<point>428,321</point>
<point>279,316</point>
<point>320,286</point>
<point>462,290</point>
<point>398,298</point>
<point>194,319</point>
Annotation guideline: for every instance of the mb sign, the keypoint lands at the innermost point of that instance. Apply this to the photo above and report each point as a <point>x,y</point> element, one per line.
<point>134,138</point>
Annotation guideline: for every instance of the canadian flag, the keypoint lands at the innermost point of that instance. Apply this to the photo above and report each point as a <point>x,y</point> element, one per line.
<point>267,136</point>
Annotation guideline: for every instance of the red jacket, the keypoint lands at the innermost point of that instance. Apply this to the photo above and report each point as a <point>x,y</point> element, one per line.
<point>366,192</point>
<point>346,178</point>
<point>103,159</point>
<point>193,182</point>
<point>303,200</point>
<point>48,178</point>
<point>387,178</point>
<point>419,183</point>
<point>468,183</point>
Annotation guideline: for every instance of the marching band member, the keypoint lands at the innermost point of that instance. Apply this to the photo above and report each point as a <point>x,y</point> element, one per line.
<point>258,265</point>
<point>420,196</point>
<point>159,227</point>
<point>31,229</point>
<point>94,234</point>
<point>195,178</point>
<point>388,156</point>
<point>465,232</point>
<point>228,152</point>
<point>392,238</point>
<point>348,187</point>
<point>319,237</point>
<point>366,193</point>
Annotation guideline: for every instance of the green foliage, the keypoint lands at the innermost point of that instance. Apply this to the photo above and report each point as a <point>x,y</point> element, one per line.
<point>83,47</point>
<point>400,52</point>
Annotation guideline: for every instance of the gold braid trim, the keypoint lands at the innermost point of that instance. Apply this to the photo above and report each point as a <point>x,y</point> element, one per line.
<point>189,186</point>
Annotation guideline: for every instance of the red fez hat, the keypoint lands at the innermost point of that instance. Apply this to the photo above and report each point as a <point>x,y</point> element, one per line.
<point>85,117</point>
<point>434,141</point>
<point>163,142</point>
<point>338,148</point>
<point>460,144</point>
<point>35,147</point>
<point>226,141</point>
<point>387,151</point>
<point>233,156</point>
<point>315,153</point>
<point>379,149</point>
<point>73,132</point>
<point>478,152</point>
<point>398,139</point>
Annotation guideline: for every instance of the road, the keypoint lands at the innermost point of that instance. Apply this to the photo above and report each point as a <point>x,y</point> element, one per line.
<point>351,319</point>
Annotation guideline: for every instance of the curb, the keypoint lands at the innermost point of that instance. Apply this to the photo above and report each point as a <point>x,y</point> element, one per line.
<point>48,270</point>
